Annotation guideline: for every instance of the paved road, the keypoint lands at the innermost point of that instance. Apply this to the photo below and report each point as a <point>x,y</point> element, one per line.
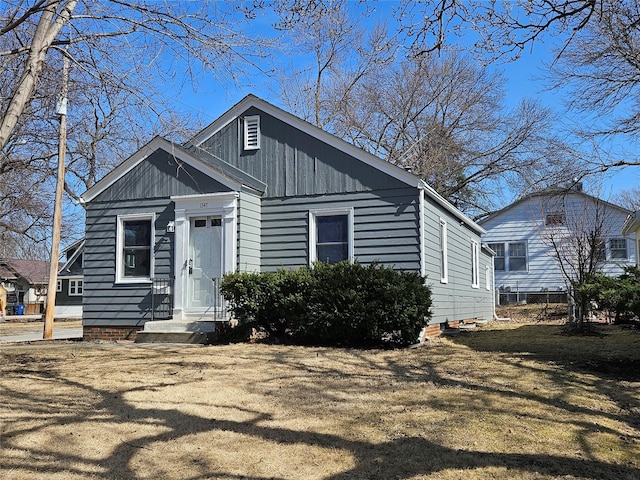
<point>32,331</point>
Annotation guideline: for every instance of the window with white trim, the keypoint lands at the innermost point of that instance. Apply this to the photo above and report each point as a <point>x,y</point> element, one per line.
<point>499,258</point>
<point>510,257</point>
<point>487,277</point>
<point>59,286</point>
<point>444,253</point>
<point>618,249</point>
<point>475,264</point>
<point>517,257</point>
<point>252,132</point>
<point>331,235</point>
<point>134,256</point>
<point>75,287</point>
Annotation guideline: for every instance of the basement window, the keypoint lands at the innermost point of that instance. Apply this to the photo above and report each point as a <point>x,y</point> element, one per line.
<point>252,132</point>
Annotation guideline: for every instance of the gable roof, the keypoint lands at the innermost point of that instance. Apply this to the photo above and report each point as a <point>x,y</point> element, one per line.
<point>234,178</point>
<point>214,167</point>
<point>550,192</point>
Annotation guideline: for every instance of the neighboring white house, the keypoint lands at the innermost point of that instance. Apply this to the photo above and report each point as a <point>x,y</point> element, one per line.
<point>631,230</point>
<point>521,236</point>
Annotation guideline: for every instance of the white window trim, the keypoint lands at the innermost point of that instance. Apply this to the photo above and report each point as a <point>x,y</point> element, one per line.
<point>444,251</point>
<point>75,281</point>
<point>59,285</point>
<point>475,264</point>
<point>120,278</point>
<point>313,228</point>
<point>254,122</point>
<point>487,277</point>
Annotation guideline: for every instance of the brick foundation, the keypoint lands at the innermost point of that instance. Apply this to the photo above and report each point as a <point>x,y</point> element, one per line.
<point>432,331</point>
<point>453,325</point>
<point>110,334</point>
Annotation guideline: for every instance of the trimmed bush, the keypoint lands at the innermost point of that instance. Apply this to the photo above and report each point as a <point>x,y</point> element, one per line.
<point>343,304</point>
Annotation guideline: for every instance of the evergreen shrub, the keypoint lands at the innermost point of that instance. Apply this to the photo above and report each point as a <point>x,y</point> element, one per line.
<point>343,304</point>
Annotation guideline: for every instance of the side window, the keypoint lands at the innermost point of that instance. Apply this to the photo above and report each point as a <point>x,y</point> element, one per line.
<point>499,259</point>
<point>618,249</point>
<point>331,236</point>
<point>517,257</point>
<point>75,287</point>
<point>475,264</point>
<point>444,260</point>
<point>134,259</point>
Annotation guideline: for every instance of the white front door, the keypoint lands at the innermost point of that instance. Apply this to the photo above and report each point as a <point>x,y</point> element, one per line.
<point>205,263</point>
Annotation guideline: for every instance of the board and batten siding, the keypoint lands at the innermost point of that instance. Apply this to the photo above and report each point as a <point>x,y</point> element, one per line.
<point>293,163</point>
<point>524,222</point>
<point>457,299</point>
<point>386,228</point>
<point>249,232</point>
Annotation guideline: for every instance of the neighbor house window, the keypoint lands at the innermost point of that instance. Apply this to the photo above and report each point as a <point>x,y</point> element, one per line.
<point>517,257</point>
<point>75,287</point>
<point>331,235</point>
<point>510,257</point>
<point>554,219</point>
<point>475,264</point>
<point>59,286</point>
<point>134,260</point>
<point>498,260</point>
<point>444,261</point>
<point>252,132</point>
<point>618,248</point>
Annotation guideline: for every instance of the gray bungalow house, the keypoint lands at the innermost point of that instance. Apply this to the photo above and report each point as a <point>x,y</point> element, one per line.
<point>257,190</point>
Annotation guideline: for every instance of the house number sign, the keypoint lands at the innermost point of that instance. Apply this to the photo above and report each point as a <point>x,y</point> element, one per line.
<point>204,205</point>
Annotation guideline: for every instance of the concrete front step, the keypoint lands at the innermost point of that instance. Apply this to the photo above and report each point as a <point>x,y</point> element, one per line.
<point>204,338</point>
<point>176,331</point>
<point>177,326</point>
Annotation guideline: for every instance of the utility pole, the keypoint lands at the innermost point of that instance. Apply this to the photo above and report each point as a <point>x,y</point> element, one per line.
<point>61,110</point>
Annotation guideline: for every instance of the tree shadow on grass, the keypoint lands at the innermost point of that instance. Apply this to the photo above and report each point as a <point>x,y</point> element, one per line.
<point>400,458</point>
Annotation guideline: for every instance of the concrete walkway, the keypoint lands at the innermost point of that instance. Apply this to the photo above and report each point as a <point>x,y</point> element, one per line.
<point>30,328</point>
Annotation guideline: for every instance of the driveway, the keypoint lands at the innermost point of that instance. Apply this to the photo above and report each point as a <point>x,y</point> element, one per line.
<point>27,329</point>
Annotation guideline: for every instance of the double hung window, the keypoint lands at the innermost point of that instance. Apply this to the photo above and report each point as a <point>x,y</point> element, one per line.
<point>510,257</point>
<point>134,260</point>
<point>331,235</point>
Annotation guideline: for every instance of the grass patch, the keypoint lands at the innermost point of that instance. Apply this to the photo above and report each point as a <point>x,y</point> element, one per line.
<point>497,403</point>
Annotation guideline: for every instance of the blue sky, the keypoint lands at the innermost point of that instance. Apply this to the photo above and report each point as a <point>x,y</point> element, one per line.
<point>213,97</point>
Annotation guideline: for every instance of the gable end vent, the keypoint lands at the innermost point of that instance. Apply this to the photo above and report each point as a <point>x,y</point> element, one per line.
<point>252,132</point>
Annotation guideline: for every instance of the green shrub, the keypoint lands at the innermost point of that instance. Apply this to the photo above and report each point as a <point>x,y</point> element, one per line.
<point>343,304</point>
<point>620,295</point>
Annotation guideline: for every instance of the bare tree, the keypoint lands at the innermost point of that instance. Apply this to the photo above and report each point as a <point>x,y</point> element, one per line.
<point>629,199</point>
<point>576,227</point>
<point>442,117</point>
<point>341,53</point>
<point>122,54</point>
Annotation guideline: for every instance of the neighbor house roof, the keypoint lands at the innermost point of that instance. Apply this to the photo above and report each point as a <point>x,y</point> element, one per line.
<point>35,272</point>
<point>550,192</point>
<point>631,224</point>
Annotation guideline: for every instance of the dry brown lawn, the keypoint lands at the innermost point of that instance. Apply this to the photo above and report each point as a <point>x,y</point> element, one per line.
<point>511,400</point>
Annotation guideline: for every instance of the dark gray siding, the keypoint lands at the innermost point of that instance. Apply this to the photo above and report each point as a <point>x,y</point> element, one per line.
<point>455,300</point>
<point>161,175</point>
<point>386,228</point>
<point>104,301</point>
<point>63,297</point>
<point>249,225</point>
<point>145,189</point>
<point>293,163</point>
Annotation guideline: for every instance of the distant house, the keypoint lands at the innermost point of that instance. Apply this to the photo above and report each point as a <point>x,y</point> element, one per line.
<point>257,190</point>
<point>631,230</point>
<point>520,235</point>
<point>26,284</point>
<point>70,285</point>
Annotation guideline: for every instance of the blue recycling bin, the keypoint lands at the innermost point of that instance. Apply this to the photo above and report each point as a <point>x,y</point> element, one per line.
<point>19,309</point>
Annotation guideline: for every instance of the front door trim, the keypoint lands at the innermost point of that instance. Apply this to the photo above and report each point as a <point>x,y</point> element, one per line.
<point>224,205</point>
